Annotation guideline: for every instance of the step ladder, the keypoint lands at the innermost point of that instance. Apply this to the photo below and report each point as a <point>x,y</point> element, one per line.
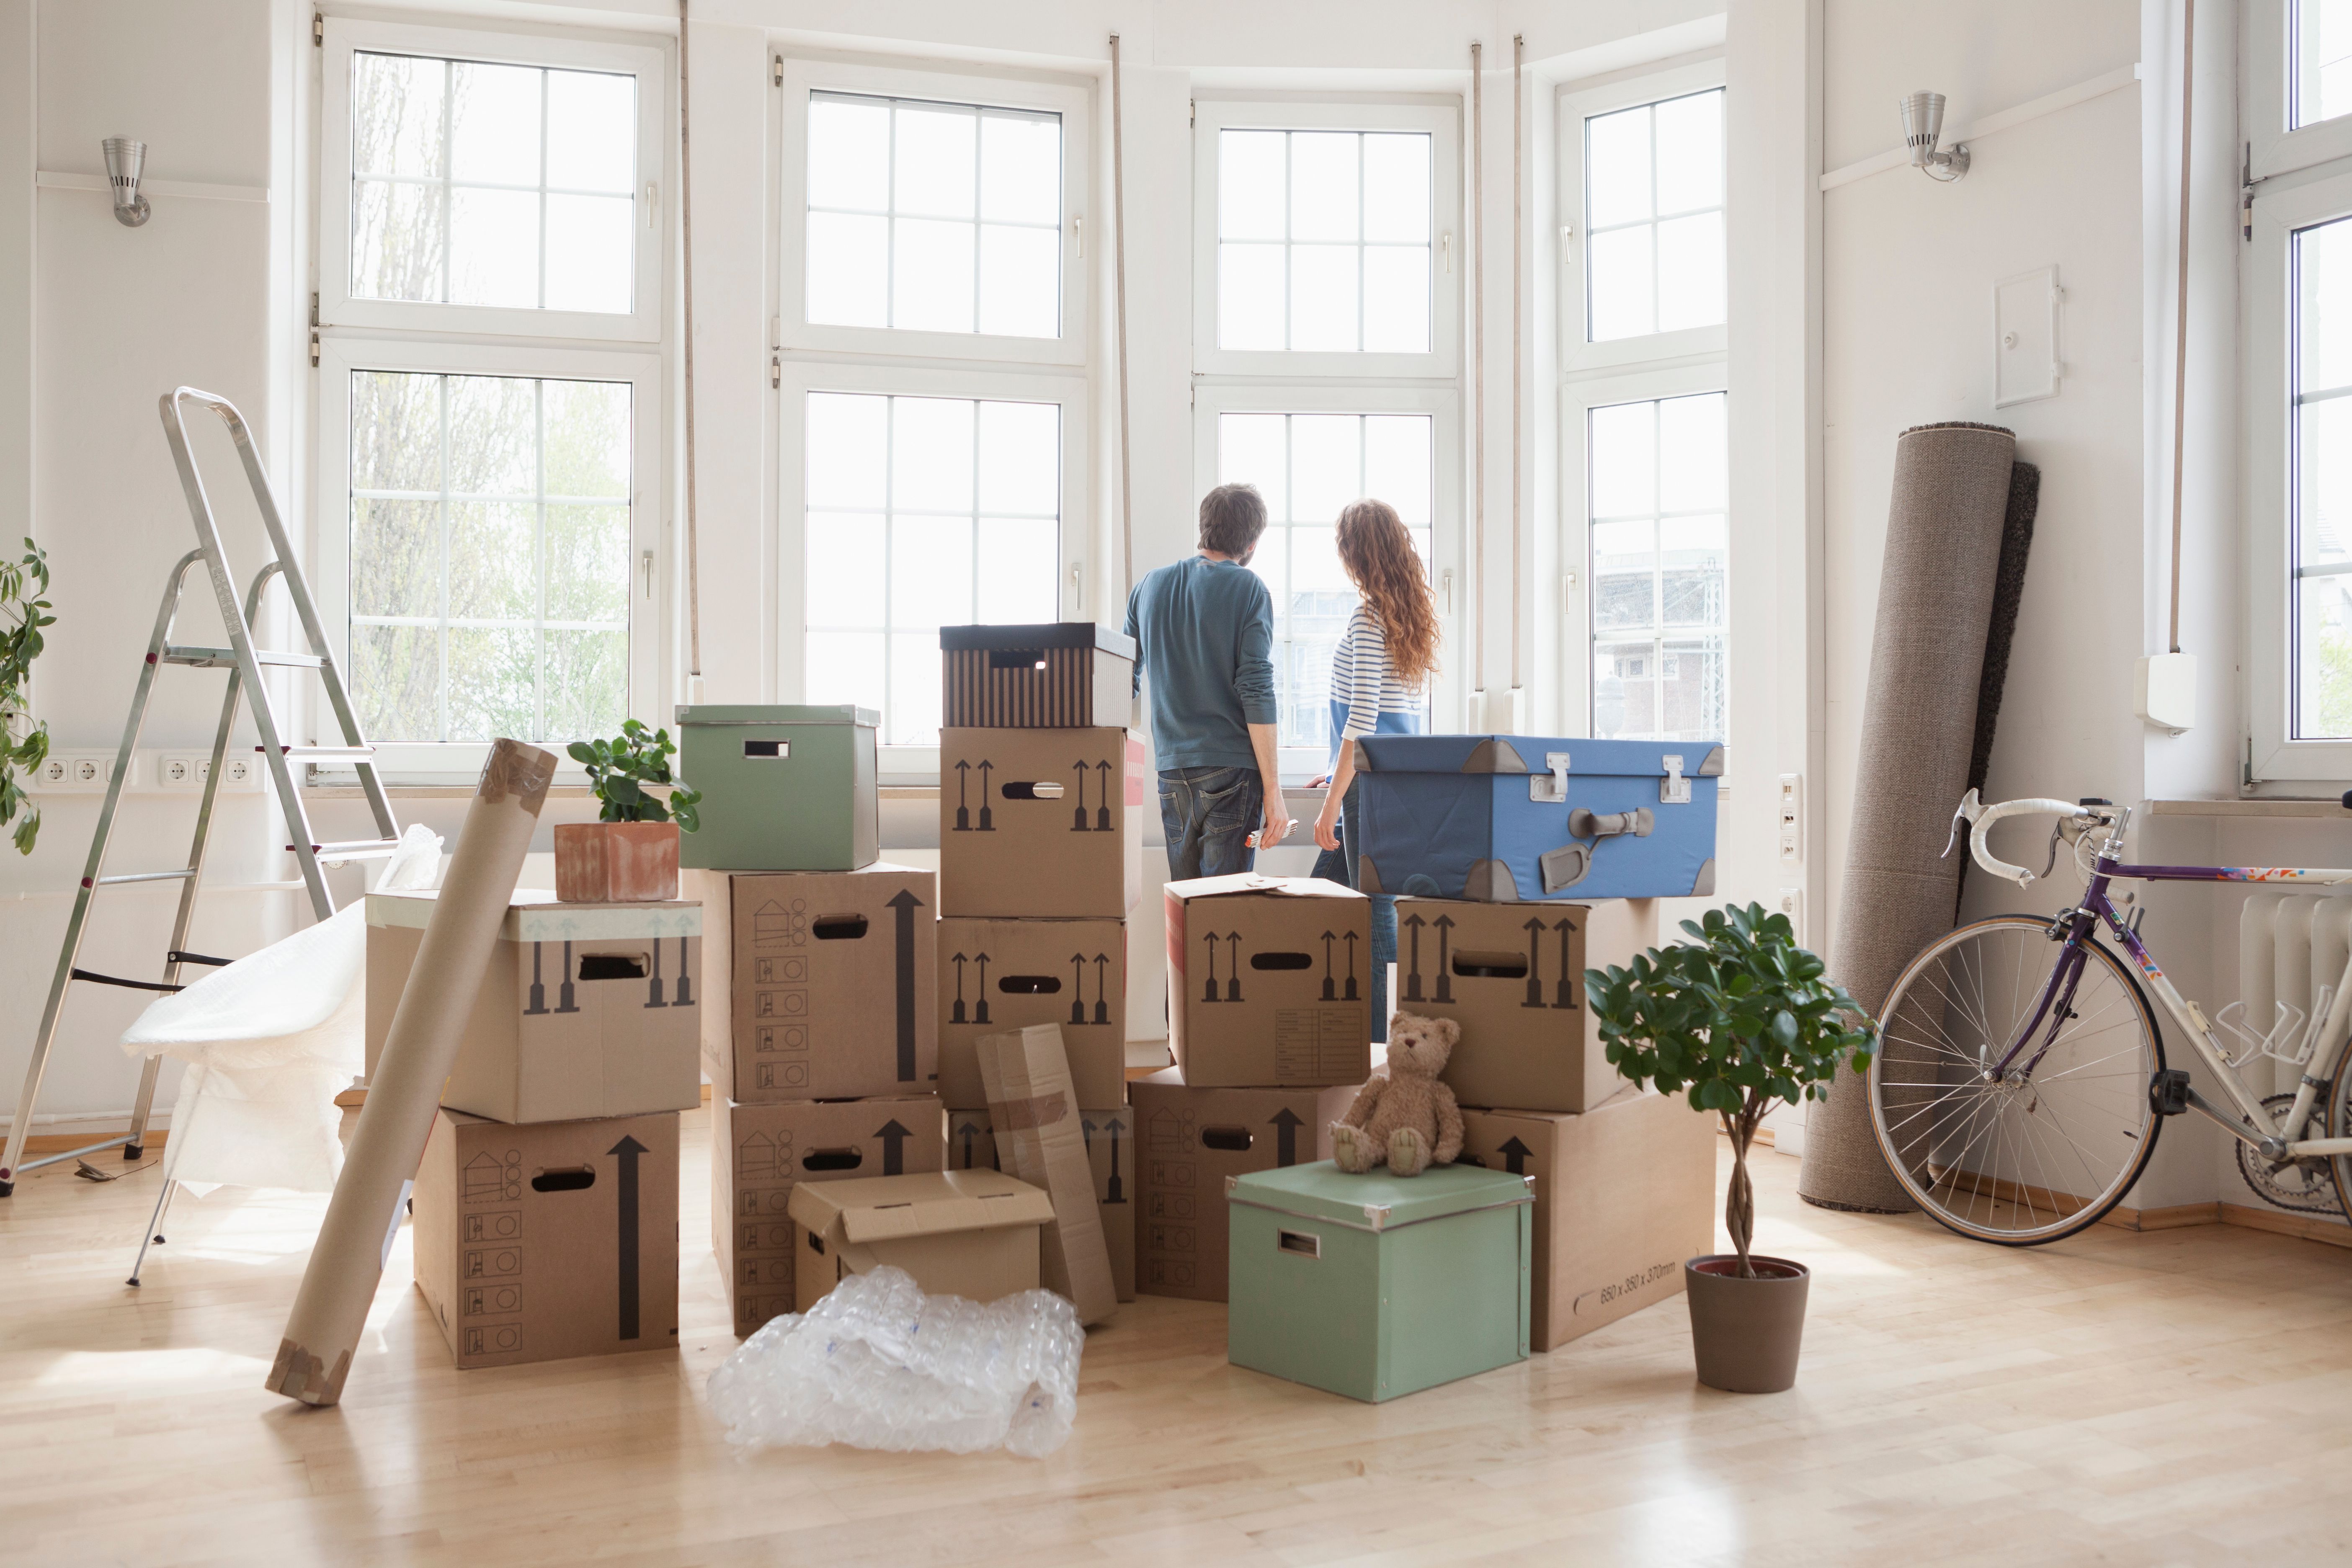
<point>245,663</point>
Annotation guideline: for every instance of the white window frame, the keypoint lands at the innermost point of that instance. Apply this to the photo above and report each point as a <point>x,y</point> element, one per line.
<point>2266,327</point>
<point>337,307</point>
<point>1443,407</point>
<point>915,764</point>
<point>1577,351</point>
<point>1577,401</point>
<point>431,761</point>
<point>1441,119</point>
<point>2272,148</point>
<point>1073,103</point>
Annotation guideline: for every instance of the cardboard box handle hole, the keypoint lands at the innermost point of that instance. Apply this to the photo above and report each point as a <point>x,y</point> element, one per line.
<point>1016,659</point>
<point>1030,984</point>
<point>1040,790</point>
<point>578,1179</point>
<point>831,1160</point>
<point>1300,1242</point>
<point>613,966</point>
<point>766,751</point>
<point>1233,1140</point>
<point>1281,961</point>
<point>839,927</point>
<point>1477,966</point>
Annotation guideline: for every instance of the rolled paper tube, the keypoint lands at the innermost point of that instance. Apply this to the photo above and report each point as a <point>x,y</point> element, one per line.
<point>347,1262</point>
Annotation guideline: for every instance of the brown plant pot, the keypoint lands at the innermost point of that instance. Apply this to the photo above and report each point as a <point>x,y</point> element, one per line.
<point>1746,1333</point>
<point>616,862</point>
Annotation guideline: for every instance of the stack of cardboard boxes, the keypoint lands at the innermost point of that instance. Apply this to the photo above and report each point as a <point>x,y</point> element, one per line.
<point>546,1203</point>
<point>820,1036</point>
<point>1041,858</point>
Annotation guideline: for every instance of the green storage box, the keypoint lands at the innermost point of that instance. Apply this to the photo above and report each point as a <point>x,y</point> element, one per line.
<point>784,789</point>
<point>1375,1286</point>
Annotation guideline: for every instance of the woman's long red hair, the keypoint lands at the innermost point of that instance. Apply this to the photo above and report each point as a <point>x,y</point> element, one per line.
<point>1387,571</point>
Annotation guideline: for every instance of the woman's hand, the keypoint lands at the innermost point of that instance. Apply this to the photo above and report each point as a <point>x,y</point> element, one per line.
<point>1326,824</point>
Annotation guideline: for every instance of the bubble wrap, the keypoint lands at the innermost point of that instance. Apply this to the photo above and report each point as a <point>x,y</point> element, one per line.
<point>878,1364</point>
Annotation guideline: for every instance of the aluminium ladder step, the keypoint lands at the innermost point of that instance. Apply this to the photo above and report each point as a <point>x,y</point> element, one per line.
<point>197,657</point>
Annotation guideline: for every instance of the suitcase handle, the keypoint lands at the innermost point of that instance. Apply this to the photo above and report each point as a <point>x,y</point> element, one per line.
<point>1598,825</point>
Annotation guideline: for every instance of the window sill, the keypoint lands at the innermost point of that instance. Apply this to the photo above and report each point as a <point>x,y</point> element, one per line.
<point>2330,808</point>
<point>431,791</point>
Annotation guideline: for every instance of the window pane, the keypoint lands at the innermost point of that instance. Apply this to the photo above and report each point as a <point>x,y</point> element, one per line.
<point>849,156</point>
<point>1396,299</point>
<point>2322,481</point>
<point>2322,270</point>
<point>1020,281</point>
<point>592,129</point>
<point>1396,465</point>
<point>460,169</point>
<point>1252,294</point>
<point>1253,186</point>
<point>1396,188</point>
<point>489,590</point>
<point>1250,451</point>
<point>1660,560</point>
<point>1020,169</point>
<point>2323,60</point>
<point>1323,311</point>
<point>935,170</point>
<point>848,270</point>
<point>494,123</point>
<point>1296,212</point>
<point>1654,251</point>
<point>932,276</point>
<point>879,591</point>
<point>1326,465</point>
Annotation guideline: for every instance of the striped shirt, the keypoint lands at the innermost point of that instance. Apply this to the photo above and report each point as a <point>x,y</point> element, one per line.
<point>1362,678</point>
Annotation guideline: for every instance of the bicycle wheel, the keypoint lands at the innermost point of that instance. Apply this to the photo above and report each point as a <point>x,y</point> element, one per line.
<point>2043,1150</point>
<point>2339,1125</point>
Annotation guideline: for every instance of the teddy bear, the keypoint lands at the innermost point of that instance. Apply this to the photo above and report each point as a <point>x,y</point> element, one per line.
<point>1406,1117</point>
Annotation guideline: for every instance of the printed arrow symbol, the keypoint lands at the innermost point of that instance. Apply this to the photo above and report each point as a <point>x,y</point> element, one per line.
<point>1515,1156</point>
<point>1285,1136</point>
<point>894,1143</point>
<point>630,1151</point>
<point>967,1145</point>
<point>906,903</point>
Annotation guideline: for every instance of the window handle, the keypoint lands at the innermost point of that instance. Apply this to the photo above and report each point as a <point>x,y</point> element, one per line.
<point>653,202</point>
<point>1445,249</point>
<point>1445,581</point>
<point>1078,227</point>
<point>646,563</point>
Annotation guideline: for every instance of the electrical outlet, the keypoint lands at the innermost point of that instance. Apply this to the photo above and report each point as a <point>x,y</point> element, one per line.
<point>181,773</point>
<point>240,772</point>
<point>72,773</point>
<point>1791,903</point>
<point>1792,818</point>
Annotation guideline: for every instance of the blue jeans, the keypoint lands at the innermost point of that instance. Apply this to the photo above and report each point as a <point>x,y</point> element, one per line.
<point>1207,814</point>
<point>1341,866</point>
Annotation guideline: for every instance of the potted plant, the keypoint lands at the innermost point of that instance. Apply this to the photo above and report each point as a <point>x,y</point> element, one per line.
<point>629,854</point>
<point>1743,1019</point>
<point>24,741</point>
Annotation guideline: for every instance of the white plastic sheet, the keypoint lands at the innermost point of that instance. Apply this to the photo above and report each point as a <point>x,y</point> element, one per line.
<point>271,1040</point>
<point>878,1364</point>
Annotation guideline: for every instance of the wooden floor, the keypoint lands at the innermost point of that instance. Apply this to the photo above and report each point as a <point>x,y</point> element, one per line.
<point>2174,1396</point>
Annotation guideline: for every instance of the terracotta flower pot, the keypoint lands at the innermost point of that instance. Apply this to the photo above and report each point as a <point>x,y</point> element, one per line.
<point>616,862</point>
<point>1746,1333</point>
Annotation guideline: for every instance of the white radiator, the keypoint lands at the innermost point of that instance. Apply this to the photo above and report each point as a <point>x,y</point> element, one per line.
<point>2291,954</point>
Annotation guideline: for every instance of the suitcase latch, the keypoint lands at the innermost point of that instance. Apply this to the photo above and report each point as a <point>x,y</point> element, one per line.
<point>1673,789</point>
<point>1549,787</point>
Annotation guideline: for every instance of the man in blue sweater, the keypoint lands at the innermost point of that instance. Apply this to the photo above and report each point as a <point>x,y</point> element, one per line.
<point>1204,629</point>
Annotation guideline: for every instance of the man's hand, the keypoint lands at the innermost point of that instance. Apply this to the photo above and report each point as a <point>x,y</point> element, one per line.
<point>1277,811</point>
<point>1278,822</point>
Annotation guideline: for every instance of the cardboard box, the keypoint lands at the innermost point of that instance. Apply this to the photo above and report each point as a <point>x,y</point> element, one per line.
<point>1269,981</point>
<point>759,1152</point>
<point>1192,1139</point>
<point>1624,1193</point>
<point>1035,1111</point>
<point>958,1233</point>
<point>1041,822</point>
<point>783,788</point>
<point>586,1010</point>
<point>1063,675</point>
<point>550,1240</point>
<point>826,983</point>
<point>1110,1152</point>
<point>1513,976</point>
<point>1008,975</point>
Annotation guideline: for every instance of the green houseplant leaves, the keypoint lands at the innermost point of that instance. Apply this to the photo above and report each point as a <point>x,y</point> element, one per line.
<point>619,769</point>
<point>1741,1019</point>
<point>24,742</point>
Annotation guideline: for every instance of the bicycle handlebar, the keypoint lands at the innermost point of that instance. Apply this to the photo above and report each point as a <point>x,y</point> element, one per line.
<point>1982,818</point>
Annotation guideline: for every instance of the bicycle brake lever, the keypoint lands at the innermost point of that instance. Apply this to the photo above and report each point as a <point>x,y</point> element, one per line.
<point>1964,814</point>
<point>2056,830</point>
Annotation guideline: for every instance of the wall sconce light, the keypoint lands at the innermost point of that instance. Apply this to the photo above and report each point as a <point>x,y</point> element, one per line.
<point>124,159</point>
<point>1923,122</point>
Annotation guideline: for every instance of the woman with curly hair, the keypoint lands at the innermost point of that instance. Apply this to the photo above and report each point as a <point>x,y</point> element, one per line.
<point>1380,675</point>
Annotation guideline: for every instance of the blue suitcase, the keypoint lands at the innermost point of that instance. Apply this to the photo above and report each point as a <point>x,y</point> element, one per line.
<point>1511,818</point>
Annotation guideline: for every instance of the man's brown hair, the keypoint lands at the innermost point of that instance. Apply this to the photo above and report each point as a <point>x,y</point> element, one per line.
<point>1232,517</point>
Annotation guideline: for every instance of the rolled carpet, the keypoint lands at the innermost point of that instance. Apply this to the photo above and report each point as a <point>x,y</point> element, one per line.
<point>1947,526</point>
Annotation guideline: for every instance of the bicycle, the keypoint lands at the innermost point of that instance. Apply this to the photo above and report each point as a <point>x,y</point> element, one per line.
<point>2018,1100</point>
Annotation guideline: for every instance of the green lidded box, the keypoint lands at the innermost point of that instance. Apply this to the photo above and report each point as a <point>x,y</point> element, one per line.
<point>783,788</point>
<point>1376,1286</point>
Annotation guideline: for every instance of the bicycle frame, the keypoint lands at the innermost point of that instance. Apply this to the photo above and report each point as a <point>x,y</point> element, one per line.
<point>2055,1003</point>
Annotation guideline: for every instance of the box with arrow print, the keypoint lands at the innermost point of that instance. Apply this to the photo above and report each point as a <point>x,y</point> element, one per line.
<point>1007,975</point>
<point>1269,981</point>
<point>1041,822</point>
<point>1513,976</point>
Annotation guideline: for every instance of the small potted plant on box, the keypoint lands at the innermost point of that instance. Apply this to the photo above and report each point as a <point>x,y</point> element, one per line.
<point>629,855</point>
<point>1743,1019</point>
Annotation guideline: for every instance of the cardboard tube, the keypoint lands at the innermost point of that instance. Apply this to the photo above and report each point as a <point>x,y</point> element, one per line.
<point>347,1261</point>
